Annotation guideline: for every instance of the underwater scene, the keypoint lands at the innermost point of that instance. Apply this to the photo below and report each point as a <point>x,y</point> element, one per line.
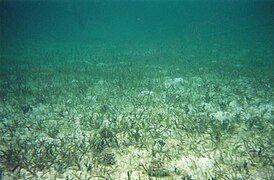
<point>137,89</point>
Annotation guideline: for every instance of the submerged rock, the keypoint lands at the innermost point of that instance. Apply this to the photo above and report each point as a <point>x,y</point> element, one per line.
<point>107,158</point>
<point>26,108</point>
<point>157,169</point>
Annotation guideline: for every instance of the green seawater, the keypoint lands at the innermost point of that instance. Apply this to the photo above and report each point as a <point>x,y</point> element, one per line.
<point>136,89</point>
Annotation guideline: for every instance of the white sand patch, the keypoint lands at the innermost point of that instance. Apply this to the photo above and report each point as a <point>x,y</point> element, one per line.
<point>221,116</point>
<point>204,163</point>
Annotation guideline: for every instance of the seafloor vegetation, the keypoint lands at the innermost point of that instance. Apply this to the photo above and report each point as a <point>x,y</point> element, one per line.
<point>130,117</point>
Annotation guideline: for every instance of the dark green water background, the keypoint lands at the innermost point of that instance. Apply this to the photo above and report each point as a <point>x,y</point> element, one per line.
<point>211,29</point>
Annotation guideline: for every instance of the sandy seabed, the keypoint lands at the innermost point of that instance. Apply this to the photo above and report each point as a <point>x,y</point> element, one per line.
<point>97,118</point>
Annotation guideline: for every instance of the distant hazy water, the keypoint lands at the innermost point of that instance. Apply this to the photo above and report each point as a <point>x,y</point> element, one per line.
<point>211,28</point>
